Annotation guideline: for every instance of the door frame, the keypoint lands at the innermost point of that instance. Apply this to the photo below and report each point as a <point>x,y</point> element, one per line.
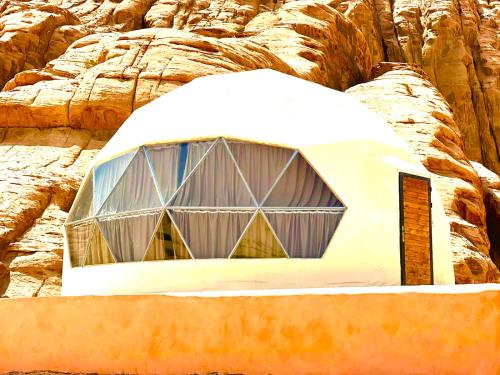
<point>401,178</point>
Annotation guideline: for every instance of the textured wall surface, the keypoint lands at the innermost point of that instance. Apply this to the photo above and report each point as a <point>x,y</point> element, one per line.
<point>447,331</point>
<point>71,69</point>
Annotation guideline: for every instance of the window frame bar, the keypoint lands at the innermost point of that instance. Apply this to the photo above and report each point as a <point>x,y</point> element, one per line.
<point>188,177</point>
<point>96,213</point>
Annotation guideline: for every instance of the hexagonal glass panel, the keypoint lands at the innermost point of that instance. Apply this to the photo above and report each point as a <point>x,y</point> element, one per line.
<point>173,163</point>
<point>199,200</point>
<point>259,241</point>
<point>211,233</point>
<point>135,189</point>
<point>304,234</point>
<point>167,243</point>
<point>301,186</point>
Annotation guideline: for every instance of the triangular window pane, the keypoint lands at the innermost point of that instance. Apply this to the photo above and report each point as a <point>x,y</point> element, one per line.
<point>167,243</point>
<point>78,239</point>
<point>259,241</point>
<point>260,165</point>
<point>216,182</point>
<point>172,163</point>
<point>129,236</point>
<point>106,176</point>
<point>211,233</point>
<point>82,206</point>
<point>301,186</point>
<point>134,191</point>
<point>98,251</point>
<point>304,234</point>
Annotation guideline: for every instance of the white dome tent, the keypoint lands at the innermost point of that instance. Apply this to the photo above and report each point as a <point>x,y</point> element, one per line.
<point>254,180</point>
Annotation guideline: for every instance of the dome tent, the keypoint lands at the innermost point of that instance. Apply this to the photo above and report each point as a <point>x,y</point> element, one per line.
<point>246,181</point>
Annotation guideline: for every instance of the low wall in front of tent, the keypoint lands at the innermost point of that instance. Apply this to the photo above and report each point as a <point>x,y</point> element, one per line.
<point>391,330</point>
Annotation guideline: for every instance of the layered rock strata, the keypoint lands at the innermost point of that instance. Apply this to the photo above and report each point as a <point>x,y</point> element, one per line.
<point>40,174</point>
<point>490,183</point>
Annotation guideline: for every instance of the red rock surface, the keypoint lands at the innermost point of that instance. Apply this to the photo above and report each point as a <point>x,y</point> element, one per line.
<point>71,69</point>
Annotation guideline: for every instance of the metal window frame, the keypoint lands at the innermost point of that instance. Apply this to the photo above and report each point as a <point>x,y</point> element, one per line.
<point>306,211</point>
<point>89,176</point>
<point>298,155</point>
<point>136,155</point>
<point>215,210</point>
<point>254,217</point>
<point>402,254</point>
<point>98,228</point>
<point>114,217</point>
<point>168,204</point>
<point>165,212</point>
<point>97,211</point>
<point>152,170</point>
<point>89,221</point>
<point>240,173</point>
<point>167,207</point>
<point>278,176</point>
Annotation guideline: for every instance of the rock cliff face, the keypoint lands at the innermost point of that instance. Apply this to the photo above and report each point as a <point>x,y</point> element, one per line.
<point>71,71</point>
<point>40,174</point>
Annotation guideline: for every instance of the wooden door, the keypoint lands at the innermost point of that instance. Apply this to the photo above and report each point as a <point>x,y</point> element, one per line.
<point>416,230</point>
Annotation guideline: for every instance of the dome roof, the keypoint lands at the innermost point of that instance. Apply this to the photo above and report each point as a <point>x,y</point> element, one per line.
<point>262,106</point>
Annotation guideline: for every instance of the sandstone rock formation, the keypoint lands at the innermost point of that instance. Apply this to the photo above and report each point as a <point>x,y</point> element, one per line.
<point>490,183</point>
<point>456,43</point>
<point>4,278</point>
<point>420,115</point>
<point>70,69</point>
<point>40,174</point>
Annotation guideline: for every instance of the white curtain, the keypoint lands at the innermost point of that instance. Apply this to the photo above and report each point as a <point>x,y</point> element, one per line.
<point>211,234</point>
<point>129,236</point>
<point>78,239</point>
<point>135,190</point>
<point>215,183</point>
<point>304,234</point>
<point>172,163</point>
<point>195,152</point>
<point>258,241</point>
<point>165,162</point>
<point>300,186</point>
<point>106,176</point>
<point>167,244</point>
<point>82,207</point>
<point>98,251</point>
<point>260,165</point>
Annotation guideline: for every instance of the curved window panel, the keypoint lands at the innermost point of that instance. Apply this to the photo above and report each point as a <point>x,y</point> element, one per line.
<point>78,240</point>
<point>304,234</point>
<point>259,241</point>
<point>211,233</point>
<point>172,163</point>
<point>223,199</point>
<point>129,236</point>
<point>167,244</point>
<point>82,208</point>
<point>98,250</point>
<point>260,165</point>
<point>216,182</point>
<point>135,190</point>
<point>106,176</point>
<point>301,186</point>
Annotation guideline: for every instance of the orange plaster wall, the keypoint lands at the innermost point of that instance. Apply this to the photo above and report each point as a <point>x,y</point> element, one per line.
<point>416,333</point>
